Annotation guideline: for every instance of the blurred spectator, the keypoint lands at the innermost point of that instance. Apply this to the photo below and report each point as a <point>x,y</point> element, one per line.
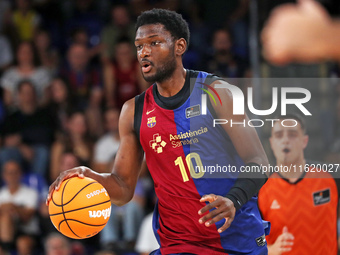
<point>25,20</point>
<point>6,56</point>
<point>107,146</point>
<point>94,113</point>
<point>48,56</point>
<point>76,140</point>
<point>146,240</point>
<point>5,7</point>
<point>84,15</point>
<point>28,132</point>
<point>61,102</point>
<point>130,215</point>
<point>26,68</point>
<point>223,62</point>
<point>67,161</point>
<point>57,244</point>
<point>18,205</point>
<point>119,26</point>
<point>79,74</point>
<point>105,253</point>
<point>123,78</point>
<point>80,36</point>
<point>232,15</point>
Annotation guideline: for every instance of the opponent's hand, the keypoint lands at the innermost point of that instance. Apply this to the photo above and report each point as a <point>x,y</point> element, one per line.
<point>299,32</point>
<point>283,243</point>
<point>224,209</point>
<point>77,171</point>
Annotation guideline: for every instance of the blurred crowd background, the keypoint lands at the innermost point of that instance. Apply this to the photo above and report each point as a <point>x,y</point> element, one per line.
<point>67,67</point>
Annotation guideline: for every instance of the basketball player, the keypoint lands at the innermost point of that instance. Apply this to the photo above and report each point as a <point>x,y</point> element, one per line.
<point>301,204</point>
<point>195,213</point>
<point>301,32</point>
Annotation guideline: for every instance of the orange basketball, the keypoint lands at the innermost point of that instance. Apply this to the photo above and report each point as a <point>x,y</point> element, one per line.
<point>80,208</point>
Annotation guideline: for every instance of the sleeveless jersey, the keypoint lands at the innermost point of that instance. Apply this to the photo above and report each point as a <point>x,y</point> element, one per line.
<point>307,207</point>
<point>180,145</point>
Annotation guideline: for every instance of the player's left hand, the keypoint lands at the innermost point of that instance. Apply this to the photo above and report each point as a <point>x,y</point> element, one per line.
<point>224,209</point>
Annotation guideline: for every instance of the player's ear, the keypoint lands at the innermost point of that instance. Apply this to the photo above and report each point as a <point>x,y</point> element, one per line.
<point>180,46</point>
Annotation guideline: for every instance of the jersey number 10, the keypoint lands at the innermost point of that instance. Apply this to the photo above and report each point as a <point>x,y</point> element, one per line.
<point>189,160</point>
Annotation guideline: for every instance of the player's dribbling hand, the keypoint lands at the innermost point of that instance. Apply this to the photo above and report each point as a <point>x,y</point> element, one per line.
<point>224,209</point>
<point>77,171</point>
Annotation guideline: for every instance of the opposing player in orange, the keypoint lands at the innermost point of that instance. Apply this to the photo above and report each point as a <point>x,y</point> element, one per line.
<point>300,204</point>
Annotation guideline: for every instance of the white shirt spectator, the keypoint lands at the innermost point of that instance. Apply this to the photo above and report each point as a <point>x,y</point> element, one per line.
<point>146,240</point>
<point>26,197</point>
<point>40,78</point>
<point>105,149</point>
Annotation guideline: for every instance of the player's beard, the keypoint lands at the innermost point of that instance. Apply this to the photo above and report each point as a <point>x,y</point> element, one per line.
<point>165,71</point>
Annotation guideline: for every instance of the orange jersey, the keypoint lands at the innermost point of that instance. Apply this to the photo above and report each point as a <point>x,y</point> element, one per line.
<point>307,207</point>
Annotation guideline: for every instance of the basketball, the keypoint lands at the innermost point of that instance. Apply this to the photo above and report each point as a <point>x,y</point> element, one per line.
<point>80,208</point>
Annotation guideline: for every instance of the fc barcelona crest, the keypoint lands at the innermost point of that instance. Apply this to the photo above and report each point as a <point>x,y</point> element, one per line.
<point>151,122</point>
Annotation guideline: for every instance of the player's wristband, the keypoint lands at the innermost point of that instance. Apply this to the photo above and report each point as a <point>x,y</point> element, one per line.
<point>245,188</point>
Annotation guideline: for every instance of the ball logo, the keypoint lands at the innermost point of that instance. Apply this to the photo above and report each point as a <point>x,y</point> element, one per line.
<point>100,213</point>
<point>96,192</point>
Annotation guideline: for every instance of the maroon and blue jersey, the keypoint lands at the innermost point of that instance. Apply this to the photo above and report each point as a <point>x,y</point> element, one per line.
<point>188,157</point>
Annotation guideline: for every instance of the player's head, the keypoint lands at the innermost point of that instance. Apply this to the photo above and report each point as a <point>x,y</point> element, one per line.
<point>162,37</point>
<point>288,139</point>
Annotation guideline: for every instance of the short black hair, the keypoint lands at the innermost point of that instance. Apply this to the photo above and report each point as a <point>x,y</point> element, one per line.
<point>172,22</point>
<point>24,82</point>
<point>296,117</point>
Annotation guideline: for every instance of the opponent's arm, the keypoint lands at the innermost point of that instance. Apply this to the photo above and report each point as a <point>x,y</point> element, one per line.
<point>302,32</point>
<point>121,183</point>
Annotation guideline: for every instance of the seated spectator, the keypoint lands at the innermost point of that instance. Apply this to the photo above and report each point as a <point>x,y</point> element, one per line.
<point>26,68</point>
<point>18,205</point>
<point>84,14</point>
<point>146,240</point>
<point>57,244</point>
<point>76,140</point>
<point>105,253</point>
<point>67,161</point>
<point>107,146</point>
<point>123,78</point>
<point>28,132</point>
<point>81,36</point>
<point>47,55</point>
<point>94,113</point>
<point>60,102</point>
<point>25,20</point>
<point>130,216</point>
<point>79,74</point>
<point>223,62</point>
<point>119,26</point>
<point>5,14</point>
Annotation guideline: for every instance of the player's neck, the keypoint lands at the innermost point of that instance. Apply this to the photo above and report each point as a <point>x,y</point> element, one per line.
<point>293,171</point>
<point>174,84</point>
